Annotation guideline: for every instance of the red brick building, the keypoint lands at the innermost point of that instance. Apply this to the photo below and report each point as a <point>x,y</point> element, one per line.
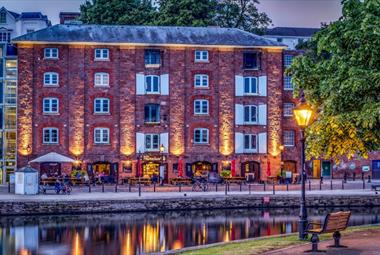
<point>108,94</point>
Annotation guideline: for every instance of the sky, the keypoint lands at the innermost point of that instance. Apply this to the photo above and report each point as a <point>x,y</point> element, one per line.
<point>290,13</point>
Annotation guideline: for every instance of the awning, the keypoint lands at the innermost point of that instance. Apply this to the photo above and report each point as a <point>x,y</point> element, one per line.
<point>53,157</point>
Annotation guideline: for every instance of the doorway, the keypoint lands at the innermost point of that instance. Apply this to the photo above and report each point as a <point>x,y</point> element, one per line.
<point>316,168</point>
<point>251,169</point>
<point>376,169</point>
<point>326,168</point>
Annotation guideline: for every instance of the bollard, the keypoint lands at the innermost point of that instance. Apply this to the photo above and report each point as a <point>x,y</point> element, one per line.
<point>249,188</point>
<point>225,190</point>
<point>345,177</point>
<point>116,188</point>
<point>139,189</point>
<point>274,192</point>
<point>362,176</point>
<point>287,186</point>
<point>103,187</point>
<point>331,184</point>
<point>363,184</point>
<point>216,187</point>
<point>240,186</point>
<point>179,188</point>
<point>228,185</point>
<point>265,187</point>
<point>342,184</point>
<point>353,176</point>
<point>89,187</point>
<point>9,186</point>
<point>322,179</point>
<point>309,185</point>
<point>129,187</point>
<point>154,187</point>
<point>369,179</point>
<point>320,185</point>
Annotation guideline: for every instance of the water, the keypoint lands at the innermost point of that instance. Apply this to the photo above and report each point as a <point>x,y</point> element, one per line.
<point>143,233</point>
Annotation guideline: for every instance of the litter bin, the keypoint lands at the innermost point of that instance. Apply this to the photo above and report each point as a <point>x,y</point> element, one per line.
<point>26,181</point>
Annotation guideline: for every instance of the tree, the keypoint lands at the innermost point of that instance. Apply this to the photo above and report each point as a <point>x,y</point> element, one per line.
<point>197,13</point>
<point>122,12</point>
<point>242,14</point>
<point>340,76</point>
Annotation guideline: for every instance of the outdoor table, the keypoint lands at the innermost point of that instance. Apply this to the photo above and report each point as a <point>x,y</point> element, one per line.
<point>272,179</point>
<point>234,179</point>
<point>179,180</point>
<point>142,180</point>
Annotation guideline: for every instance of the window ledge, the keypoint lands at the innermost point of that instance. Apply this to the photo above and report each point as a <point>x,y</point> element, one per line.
<point>152,65</point>
<point>102,144</point>
<point>202,114</point>
<point>51,86</point>
<point>102,86</point>
<point>200,144</point>
<point>289,145</point>
<point>102,113</point>
<point>152,123</point>
<point>248,151</point>
<point>51,113</point>
<point>250,123</point>
<point>288,89</point>
<point>152,93</point>
<point>251,94</point>
<point>45,58</point>
<point>251,69</point>
<point>201,87</point>
<point>202,61</point>
<point>50,143</point>
<point>152,150</point>
<point>101,59</point>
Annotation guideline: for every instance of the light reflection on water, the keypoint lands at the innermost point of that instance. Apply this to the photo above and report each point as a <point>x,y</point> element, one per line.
<point>142,233</point>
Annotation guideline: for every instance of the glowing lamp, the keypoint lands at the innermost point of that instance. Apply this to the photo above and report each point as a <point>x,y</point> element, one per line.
<point>162,148</point>
<point>303,114</point>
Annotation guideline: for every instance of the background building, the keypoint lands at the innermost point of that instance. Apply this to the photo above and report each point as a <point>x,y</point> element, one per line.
<point>11,25</point>
<point>290,36</point>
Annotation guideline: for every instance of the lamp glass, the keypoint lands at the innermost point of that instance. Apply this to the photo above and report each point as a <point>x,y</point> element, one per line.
<point>162,148</point>
<point>303,115</point>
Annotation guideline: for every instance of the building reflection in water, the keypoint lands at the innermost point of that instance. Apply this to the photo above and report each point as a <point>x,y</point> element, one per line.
<point>128,234</point>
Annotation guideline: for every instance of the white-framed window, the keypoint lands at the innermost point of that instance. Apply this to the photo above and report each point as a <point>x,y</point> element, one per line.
<point>51,79</point>
<point>289,138</point>
<point>250,86</point>
<point>250,142</point>
<point>51,53</point>
<point>288,109</point>
<point>152,113</point>
<point>288,59</point>
<point>5,36</point>
<point>101,135</point>
<point>288,85</point>
<point>50,135</point>
<point>101,105</point>
<point>152,84</point>
<point>102,54</point>
<point>50,105</point>
<point>152,142</point>
<point>201,135</point>
<point>201,56</point>
<point>201,106</point>
<point>101,79</point>
<point>250,114</point>
<point>201,81</point>
<point>3,17</point>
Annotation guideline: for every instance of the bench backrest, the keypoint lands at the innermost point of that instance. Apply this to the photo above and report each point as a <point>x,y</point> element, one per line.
<point>336,221</point>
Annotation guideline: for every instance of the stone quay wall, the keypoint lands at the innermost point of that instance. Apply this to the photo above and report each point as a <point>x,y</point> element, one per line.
<point>28,207</point>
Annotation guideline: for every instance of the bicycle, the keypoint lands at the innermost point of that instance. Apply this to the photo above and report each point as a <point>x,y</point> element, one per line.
<point>200,186</point>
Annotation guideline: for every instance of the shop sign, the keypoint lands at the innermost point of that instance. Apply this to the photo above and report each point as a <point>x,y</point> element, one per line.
<point>365,168</point>
<point>151,158</point>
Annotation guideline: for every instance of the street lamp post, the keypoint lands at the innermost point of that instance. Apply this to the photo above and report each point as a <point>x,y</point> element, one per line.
<point>282,163</point>
<point>303,114</point>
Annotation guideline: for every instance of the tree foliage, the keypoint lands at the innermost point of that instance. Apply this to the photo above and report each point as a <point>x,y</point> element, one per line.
<point>340,76</point>
<point>241,14</point>
<point>120,12</point>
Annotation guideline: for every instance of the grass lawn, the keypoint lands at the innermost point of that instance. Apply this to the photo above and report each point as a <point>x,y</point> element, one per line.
<point>265,244</point>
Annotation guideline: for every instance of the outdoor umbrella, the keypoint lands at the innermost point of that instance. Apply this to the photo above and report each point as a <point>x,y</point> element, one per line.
<point>268,169</point>
<point>180,167</point>
<point>233,168</point>
<point>139,168</point>
<point>53,157</point>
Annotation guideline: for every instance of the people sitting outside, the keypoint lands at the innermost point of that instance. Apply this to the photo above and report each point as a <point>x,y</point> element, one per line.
<point>44,178</point>
<point>154,178</point>
<point>66,179</point>
<point>86,179</point>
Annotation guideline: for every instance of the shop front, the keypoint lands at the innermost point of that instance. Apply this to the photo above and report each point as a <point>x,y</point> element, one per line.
<point>251,171</point>
<point>50,169</point>
<point>103,170</point>
<point>154,166</point>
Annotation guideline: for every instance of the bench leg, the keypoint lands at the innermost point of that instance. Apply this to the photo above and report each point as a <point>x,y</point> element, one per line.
<point>337,236</point>
<point>314,244</point>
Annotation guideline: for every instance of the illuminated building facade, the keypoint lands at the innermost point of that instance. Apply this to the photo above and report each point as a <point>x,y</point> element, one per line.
<point>11,25</point>
<point>108,95</point>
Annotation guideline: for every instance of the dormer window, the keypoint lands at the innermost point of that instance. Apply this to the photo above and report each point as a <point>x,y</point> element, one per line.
<point>3,17</point>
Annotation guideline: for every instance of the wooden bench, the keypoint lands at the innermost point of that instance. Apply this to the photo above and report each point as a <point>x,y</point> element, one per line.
<point>334,223</point>
<point>375,187</point>
<point>182,181</point>
<point>144,181</point>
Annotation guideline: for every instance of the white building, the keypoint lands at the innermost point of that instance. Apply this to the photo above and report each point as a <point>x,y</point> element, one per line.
<point>290,36</point>
<point>12,25</point>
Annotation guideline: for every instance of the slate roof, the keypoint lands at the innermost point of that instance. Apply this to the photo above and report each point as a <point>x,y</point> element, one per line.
<point>32,15</point>
<point>292,31</point>
<point>151,35</point>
